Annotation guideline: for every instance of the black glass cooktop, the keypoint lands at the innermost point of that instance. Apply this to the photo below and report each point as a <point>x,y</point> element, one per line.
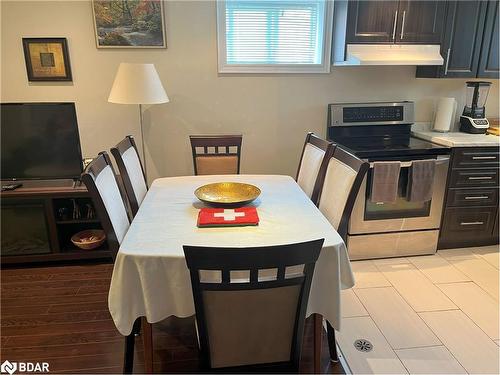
<point>376,148</point>
<point>371,142</point>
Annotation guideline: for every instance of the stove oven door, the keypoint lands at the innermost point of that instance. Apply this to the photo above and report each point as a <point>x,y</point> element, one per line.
<point>368,217</point>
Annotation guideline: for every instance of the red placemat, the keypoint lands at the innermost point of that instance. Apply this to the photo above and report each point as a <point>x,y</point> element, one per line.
<point>224,217</point>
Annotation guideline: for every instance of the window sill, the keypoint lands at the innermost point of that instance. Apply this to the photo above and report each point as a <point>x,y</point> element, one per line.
<point>274,69</point>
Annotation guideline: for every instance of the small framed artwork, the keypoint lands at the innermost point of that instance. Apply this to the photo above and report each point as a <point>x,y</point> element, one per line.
<point>47,59</point>
<point>129,24</point>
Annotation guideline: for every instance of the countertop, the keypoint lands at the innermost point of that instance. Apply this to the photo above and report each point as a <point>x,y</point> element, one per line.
<point>454,139</point>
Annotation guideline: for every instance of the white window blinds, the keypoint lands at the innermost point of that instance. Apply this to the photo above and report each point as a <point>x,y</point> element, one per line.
<point>274,35</point>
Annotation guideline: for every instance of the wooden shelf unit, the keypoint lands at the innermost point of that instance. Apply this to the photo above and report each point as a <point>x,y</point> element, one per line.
<point>33,212</point>
<point>77,221</point>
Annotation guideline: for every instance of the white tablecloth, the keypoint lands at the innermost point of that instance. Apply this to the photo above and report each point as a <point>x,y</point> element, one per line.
<point>150,276</point>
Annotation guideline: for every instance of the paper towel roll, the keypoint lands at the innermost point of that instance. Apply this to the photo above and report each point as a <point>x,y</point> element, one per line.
<point>445,114</point>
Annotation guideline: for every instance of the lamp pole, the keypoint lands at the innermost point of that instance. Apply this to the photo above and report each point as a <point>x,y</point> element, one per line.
<point>143,144</point>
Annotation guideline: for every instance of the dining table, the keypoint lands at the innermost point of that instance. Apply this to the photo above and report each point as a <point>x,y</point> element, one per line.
<point>150,277</point>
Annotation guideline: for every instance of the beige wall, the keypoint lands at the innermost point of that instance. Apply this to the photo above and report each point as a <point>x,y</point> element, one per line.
<point>272,111</point>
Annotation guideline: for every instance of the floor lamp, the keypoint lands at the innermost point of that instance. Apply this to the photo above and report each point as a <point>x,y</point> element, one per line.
<point>138,84</point>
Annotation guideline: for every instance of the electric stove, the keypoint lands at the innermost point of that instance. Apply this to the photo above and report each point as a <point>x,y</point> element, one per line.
<point>378,130</point>
<point>381,132</point>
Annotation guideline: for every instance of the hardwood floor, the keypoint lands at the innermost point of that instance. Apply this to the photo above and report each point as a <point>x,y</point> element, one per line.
<point>60,315</point>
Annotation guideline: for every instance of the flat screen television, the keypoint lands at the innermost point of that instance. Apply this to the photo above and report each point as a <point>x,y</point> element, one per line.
<point>39,141</point>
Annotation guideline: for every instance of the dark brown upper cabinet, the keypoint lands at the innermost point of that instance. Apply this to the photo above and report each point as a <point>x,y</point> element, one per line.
<point>407,22</point>
<point>372,21</point>
<point>470,44</point>
<point>421,22</point>
<point>488,62</point>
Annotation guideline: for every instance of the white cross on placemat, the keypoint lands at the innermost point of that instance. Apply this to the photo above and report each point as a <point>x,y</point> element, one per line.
<point>229,215</point>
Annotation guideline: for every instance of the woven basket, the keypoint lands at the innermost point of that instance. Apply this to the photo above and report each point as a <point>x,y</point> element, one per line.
<point>89,239</point>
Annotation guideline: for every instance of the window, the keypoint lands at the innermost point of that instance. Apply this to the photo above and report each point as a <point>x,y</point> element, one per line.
<point>274,36</point>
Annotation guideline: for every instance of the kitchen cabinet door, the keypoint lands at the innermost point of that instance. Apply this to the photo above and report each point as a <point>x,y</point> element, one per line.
<point>372,21</point>
<point>488,63</point>
<point>462,40</point>
<point>421,22</point>
<point>463,37</point>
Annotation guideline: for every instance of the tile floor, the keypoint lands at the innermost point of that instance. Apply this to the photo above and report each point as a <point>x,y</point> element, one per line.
<point>435,314</point>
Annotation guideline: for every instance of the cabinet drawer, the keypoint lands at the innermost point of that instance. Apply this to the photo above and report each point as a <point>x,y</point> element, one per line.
<point>466,222</point>
<point>474,178</point>
<point>476,157</point>
<point>472,197</point>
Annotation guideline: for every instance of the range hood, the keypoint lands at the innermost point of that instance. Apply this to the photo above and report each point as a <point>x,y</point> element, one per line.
<point>392,54</point>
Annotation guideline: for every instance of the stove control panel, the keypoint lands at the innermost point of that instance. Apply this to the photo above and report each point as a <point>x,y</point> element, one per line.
<point>371,114</point>
<point>379,113</point>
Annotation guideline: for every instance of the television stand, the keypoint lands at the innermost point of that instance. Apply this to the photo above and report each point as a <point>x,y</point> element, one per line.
<point>50,184</point>
<point>39,218</point>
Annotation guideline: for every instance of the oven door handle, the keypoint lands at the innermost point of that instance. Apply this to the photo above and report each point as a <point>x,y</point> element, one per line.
<point>406,164</point>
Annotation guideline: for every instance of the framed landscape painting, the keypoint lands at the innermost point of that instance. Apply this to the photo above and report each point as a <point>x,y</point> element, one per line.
<point>129,23</point>
<point>47,59</point>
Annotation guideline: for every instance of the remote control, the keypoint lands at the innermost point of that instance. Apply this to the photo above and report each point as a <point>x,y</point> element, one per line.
<point>11,186</point>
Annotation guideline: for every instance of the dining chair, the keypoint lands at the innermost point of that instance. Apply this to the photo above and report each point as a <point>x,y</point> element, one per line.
<point>344,175</point>
<point>100,179</point>
<point>252,322</point>
<point>131,172</point>
<point>216,154</point>
<point>312,165</point>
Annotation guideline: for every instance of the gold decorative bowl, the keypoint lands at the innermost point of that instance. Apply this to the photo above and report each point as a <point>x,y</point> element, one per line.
<point>227,193</point>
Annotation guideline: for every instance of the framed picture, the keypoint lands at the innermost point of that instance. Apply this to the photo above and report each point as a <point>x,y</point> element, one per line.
<point>47,59</point>
<point>129,23</point>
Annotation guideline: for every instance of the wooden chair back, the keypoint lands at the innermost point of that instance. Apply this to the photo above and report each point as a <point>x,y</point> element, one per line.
<point>312,166</point>
<point>216,154</point>
<point>100,179</point>
<point>252,322</point>
<point>344,174</point>
<point>131,172</point>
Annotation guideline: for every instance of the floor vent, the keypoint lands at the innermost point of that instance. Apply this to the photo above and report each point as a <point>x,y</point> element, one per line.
<point>363,345</point>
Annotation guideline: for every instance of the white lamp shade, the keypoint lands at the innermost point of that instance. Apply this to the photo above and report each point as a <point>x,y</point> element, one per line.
<point>137,84</point>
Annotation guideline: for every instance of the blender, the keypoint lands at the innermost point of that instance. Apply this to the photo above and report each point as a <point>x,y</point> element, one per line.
<point>473,117</point>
